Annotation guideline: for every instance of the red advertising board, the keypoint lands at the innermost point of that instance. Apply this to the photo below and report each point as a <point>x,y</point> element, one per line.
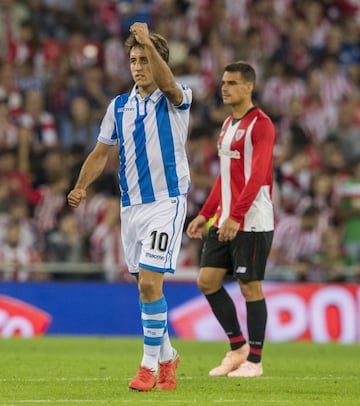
<point>18,318</point>
<point>317,312</point>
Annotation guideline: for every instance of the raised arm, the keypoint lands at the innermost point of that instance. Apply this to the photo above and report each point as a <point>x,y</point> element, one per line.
<point>161,71</point>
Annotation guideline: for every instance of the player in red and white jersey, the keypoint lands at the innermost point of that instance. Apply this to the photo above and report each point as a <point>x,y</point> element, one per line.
<point>239,242</point>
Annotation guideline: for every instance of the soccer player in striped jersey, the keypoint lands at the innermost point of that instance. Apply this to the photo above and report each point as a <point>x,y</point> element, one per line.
<point>149,127</point>
<point>240,240</point>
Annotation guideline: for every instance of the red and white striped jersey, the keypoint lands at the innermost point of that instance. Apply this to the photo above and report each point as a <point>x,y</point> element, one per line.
<point>278,92</point>
<point>49,206</point>
<point>243,189</point>
<point>334,88</point>
<point>91,212</point>
<point>18,261</point>
<point>46,133</point>
<point>107,250</point>
<point>295,243</point>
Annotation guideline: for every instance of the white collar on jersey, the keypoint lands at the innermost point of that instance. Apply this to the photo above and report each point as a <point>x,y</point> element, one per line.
<point>154,96</point>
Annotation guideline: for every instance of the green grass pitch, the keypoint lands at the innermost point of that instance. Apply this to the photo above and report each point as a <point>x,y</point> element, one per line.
<point>74,371</point>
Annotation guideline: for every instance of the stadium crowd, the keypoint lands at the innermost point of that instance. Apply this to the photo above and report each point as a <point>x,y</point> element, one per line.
<point>61,62</point>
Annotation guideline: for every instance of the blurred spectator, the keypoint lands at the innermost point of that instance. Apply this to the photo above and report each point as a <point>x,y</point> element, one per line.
<point>294,177</point>
<point>39,122</point>
<point>333,263</point>
<point>332,159</point>
<point>320,195</point>
<point>18,262</point>
<point>79,128</point>
<point>18,182</point>
<point>61,81</point>
<point>116,66</point>
<point>106,247</point>
<point>297,239</point>
<point>319,116</point>
<point>334,85</point>
<point>27,47</point>
<point>8,128</point>
<point>347,196</point>
<point>317,24</point>
<point>64,243</point>
<point>12,13</point>
<point>19,211</point>
<point>82,53</point>
<point>94,89</point>
<point>268,17</point>
<point>52,164</point>
<point>347,131</point>
<point>293,135</point>
<point>27,78</point>
<point>349,54</point>
<point>92,211</point>
<point>280,89</point>
<point>52,201</point>
<point>10,89</point>
<point>204,166</point>
<point>294,50</point>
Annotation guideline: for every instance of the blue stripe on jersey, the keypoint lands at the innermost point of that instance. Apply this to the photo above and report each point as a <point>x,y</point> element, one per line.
<point>141,160</point>
<point>119,112</point>
<point>167,147</point>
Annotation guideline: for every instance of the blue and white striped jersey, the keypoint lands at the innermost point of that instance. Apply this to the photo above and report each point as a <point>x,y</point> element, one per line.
<point>151,134</point>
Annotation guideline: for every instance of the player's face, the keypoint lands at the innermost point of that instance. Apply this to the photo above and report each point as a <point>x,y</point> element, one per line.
<point>141,71</point>
<point>234,89</point>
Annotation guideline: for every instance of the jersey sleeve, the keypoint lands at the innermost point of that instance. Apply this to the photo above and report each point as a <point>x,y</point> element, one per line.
<point>107,134</point>
<point>263,139</point>
<point>186,98</point>
<point>212,202</point>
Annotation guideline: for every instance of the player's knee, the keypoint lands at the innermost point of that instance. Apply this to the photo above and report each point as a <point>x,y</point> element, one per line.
<point>147,287</point>
<point>206,286</point>
<point>251,290</point>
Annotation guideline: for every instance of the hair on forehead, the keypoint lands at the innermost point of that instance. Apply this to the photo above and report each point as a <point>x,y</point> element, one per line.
<point>247,71</point>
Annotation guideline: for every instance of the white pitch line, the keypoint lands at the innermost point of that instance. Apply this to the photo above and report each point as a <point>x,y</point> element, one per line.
<point>199,378</point>
<point>97,401</point>
<point>267,401</point>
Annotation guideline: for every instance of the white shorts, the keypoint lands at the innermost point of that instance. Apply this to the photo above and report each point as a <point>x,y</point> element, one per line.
<point>152,234</point>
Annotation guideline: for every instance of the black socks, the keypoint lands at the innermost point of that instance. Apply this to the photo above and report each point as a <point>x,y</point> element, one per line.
<point>224,310</point>
<point>256,323</point>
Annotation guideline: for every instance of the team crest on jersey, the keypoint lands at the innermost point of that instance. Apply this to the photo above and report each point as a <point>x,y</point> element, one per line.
<point>239,134</point>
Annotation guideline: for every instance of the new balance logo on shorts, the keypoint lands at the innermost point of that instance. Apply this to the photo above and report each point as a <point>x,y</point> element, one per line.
<point>241,269</point>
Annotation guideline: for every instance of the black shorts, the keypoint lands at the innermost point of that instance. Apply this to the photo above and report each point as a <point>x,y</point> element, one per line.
<point>244,257</point>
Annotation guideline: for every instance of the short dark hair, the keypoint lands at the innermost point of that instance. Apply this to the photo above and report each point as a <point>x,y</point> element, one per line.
<point>246,70</point>
<point>158,40</point>
<point>311,211</point>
